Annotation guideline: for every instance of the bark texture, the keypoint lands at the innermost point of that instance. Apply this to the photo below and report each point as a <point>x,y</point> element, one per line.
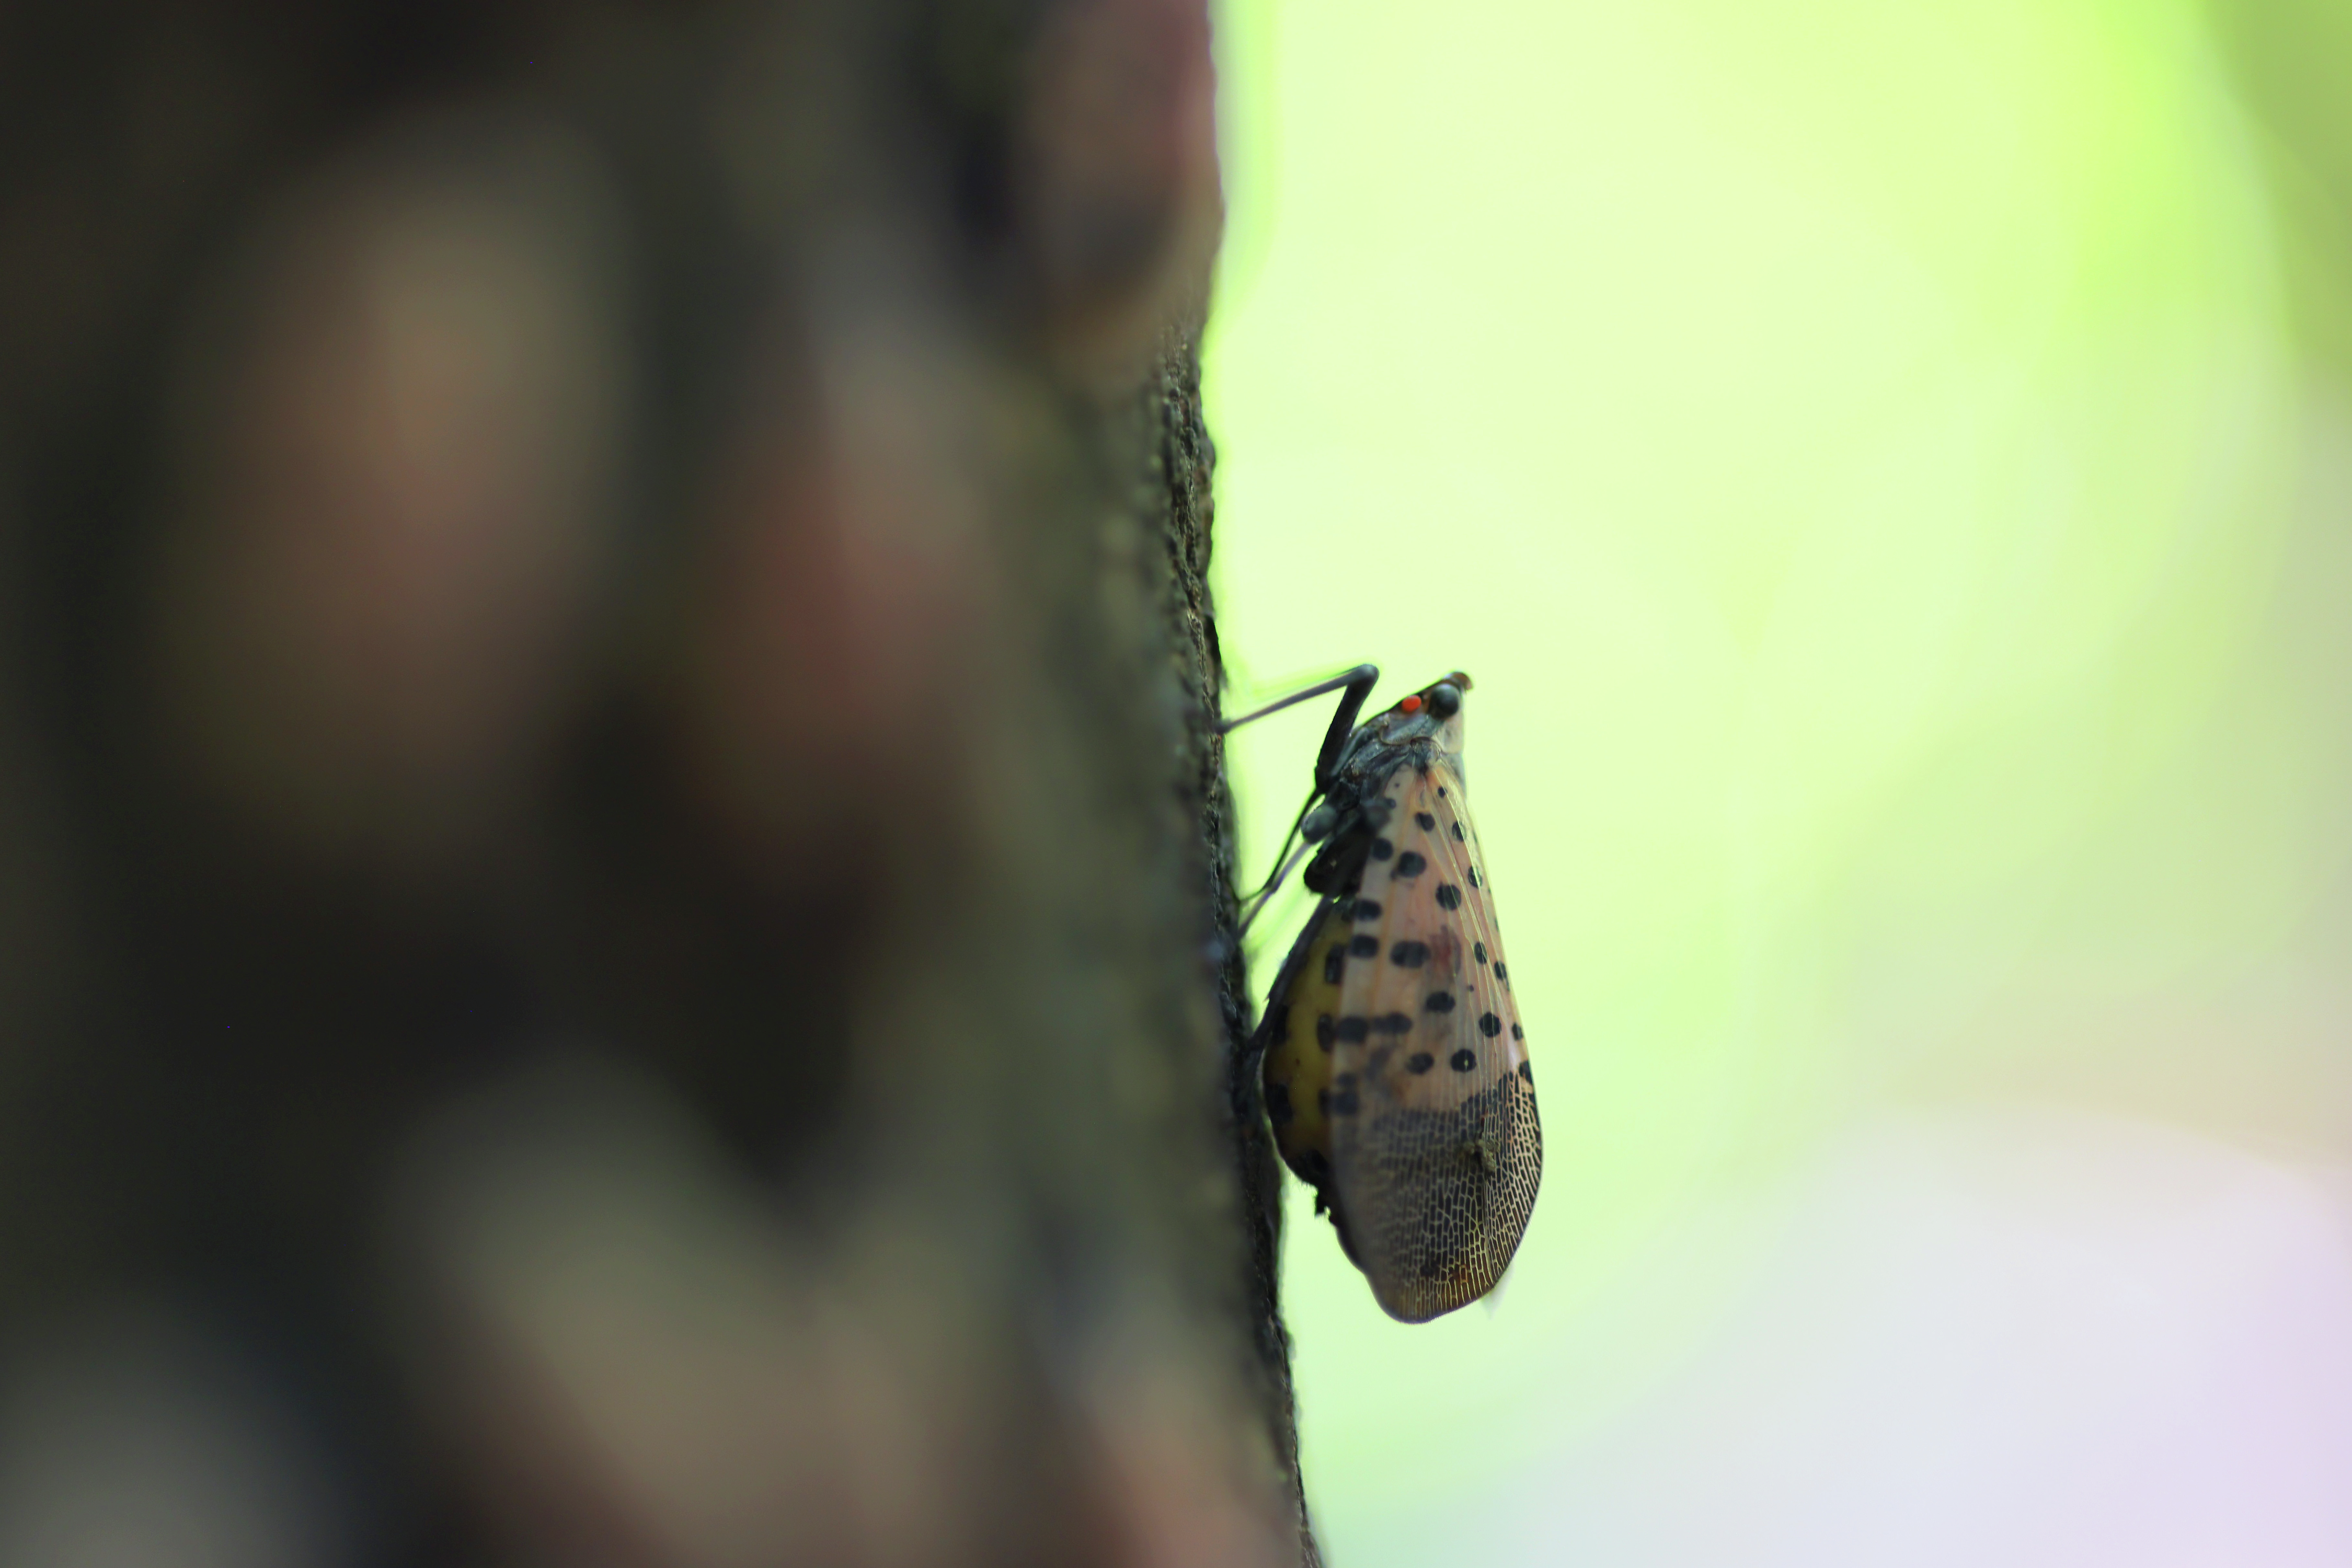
<point>614,867</point>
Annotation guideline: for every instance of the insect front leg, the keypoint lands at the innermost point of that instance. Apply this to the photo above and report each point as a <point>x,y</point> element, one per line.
<point>1358,683</point>
<point>1312,822</point>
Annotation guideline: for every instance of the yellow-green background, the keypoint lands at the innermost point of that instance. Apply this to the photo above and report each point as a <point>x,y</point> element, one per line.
<point>1873,461</point>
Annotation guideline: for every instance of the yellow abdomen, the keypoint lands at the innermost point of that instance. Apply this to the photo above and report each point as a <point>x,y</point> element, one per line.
<point>1299,1018</point>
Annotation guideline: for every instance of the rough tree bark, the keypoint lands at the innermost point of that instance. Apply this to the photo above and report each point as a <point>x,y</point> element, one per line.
<point>614,870</point>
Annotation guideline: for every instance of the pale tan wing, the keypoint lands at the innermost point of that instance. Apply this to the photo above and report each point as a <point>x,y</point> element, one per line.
<point>1435,1147</point>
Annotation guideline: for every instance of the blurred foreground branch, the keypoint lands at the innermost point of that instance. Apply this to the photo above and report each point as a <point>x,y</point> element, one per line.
<point>612,862</point>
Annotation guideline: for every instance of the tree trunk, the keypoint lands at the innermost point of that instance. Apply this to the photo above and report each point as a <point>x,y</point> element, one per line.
<point>614,866</point>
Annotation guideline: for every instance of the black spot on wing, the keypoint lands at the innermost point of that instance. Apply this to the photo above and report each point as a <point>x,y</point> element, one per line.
<point>1411,864</point>
<point>1354,1028</point>
<point>1382,848</point>
<point>1366,909</point>
<point>1464,1060</point>
<point>1440,1002</point>
<point>1448,896</point>
<point>1324,1030</point>
<point>1335,962</point>
<point>1428,823</point>
<point>1489,1025</point>
<point>1409,954</point>
<point>1363,945</point>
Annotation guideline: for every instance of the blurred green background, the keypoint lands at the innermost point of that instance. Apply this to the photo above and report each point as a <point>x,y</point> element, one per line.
<point>1886,468</point>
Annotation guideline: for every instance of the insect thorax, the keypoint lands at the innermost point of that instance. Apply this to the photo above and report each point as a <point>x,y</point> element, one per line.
<point>1357,798</point>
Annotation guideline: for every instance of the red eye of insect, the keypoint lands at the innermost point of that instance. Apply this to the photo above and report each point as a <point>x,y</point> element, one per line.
<point>1409,704</point>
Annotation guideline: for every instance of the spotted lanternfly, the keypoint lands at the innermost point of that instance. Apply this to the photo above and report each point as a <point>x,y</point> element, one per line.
<point>1395,1071</point>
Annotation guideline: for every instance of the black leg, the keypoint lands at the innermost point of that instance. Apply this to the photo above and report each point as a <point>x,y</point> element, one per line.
<point>1264,895</point>
<point>1359,683</point>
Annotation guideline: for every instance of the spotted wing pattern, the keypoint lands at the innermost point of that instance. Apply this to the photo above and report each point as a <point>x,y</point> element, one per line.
<point>1435,1145</point>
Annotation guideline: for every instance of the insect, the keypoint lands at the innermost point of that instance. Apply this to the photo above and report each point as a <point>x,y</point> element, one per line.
<point>1395,1070</point>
